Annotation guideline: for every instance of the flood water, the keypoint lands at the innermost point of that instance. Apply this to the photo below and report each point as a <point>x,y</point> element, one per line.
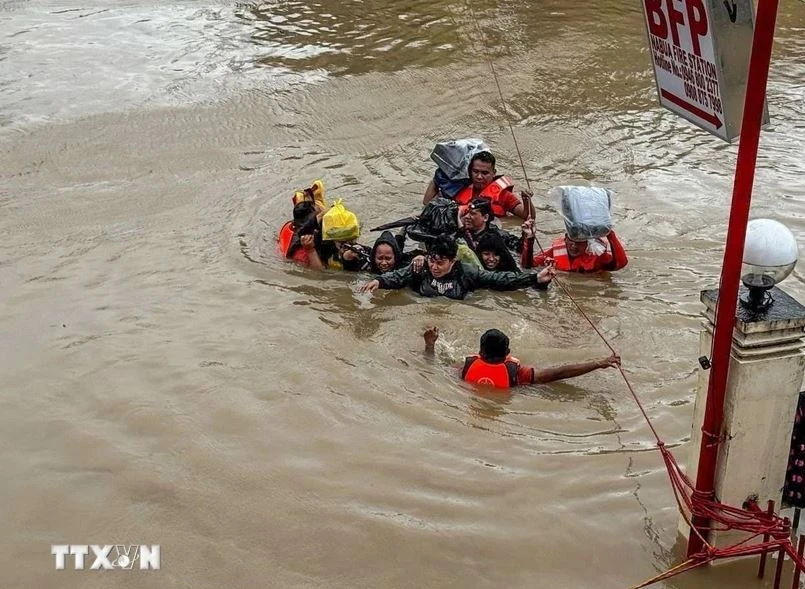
<point>166,378</point>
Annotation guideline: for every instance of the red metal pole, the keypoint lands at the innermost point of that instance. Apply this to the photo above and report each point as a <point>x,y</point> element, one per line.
<point>778,572</point>
<point>762,568</point>
<point>733,257</point>
<point>797,571</point>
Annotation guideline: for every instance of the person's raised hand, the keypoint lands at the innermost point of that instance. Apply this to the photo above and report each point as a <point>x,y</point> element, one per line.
<point>308,243</point>
<point>417,264</point>
<point>431,335</point>
<point>528,228</point>
<point>370,286</point>
<point>613,361</point>
<point>548,273</point>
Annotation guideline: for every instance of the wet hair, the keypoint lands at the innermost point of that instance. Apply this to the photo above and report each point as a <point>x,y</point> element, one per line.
<point>302,211</point>
<point>444,246</point>
<point>304,215</point>
<point>481,156</point>
<point>491,241</point>
<point>494,346</point>
<point>483,206</point>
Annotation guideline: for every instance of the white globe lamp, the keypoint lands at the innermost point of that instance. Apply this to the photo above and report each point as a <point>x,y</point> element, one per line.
<point>770,254</point>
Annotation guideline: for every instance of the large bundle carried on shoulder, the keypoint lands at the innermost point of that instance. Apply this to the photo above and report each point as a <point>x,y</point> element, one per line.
<point>453,157</point>
<point>586,211</point>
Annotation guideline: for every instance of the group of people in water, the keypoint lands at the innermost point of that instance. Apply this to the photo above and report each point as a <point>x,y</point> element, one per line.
<point>460,249</point>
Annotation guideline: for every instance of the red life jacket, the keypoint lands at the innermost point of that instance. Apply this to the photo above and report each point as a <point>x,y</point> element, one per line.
<point>502,375</point>
<point>582,263</point>
<point>285,238</point>
<point>493,192</point>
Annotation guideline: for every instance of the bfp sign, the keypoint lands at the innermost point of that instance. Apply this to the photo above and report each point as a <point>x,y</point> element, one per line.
<point>700,50</point>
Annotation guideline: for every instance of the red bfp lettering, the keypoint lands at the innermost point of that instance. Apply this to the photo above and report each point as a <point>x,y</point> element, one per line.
<point>656,18</point>
<point>697,21</point>
<point>660,21</point>
<point>676,18</point>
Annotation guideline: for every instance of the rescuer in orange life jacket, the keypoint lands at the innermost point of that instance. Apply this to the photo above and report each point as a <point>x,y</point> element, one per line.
<point>485,183</point>
<point>495,366</point>
<point>574,256</point>
<point>299,239</point>
<point>302,239</point>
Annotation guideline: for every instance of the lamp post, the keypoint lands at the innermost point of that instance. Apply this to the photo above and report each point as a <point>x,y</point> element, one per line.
<point>746,453</point>
<point>711,418</point>
<point>770,254</point>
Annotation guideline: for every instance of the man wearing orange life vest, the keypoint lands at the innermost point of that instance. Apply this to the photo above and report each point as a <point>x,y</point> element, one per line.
<point>302,239</point>
<point>485,183</point>
<point>495,366</point>
<point>574,256</point>
<point>298,238</point>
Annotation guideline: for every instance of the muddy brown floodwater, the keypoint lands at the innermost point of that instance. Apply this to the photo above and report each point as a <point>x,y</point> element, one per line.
<point>165,378</point>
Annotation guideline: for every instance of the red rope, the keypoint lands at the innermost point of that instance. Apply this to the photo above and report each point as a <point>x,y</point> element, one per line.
<point>525,176</point>
<point>690,501</point>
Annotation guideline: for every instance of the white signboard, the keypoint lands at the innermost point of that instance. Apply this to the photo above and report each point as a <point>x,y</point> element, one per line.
<point>700,51</point>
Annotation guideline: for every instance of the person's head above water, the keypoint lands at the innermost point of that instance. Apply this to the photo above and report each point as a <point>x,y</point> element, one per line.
<point>479,215</point>
<point>575,247</point>
<point>303,217</point>
<point>494,346</point>
<point>494,255</point>
<point>481,169</point>
<point>386,253</point>
<point>441,257</point>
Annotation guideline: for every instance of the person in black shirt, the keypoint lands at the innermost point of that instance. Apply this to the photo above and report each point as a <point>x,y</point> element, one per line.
<point>442,275</point>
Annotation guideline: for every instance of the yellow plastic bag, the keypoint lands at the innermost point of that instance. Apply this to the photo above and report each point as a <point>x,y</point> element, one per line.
<point>340,224</point>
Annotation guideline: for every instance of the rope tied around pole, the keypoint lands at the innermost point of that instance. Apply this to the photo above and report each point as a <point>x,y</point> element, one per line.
<point>689,500</point>
<point>715,439</point>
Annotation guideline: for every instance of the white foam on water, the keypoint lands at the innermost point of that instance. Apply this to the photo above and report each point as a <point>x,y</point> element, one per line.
<point>61,62</point>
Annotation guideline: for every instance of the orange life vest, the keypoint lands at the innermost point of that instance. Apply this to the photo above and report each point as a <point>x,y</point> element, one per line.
<point>581,263</point>
<point>285,238</point>
<point>493,191</point>
<point>502,375</point>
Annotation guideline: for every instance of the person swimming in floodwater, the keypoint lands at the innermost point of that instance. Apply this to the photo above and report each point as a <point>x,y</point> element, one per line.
<point>320,237</point>
<point>443,275</point>
<point>306,246</point>
<point>494,365</point>
<point>300,239</point>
